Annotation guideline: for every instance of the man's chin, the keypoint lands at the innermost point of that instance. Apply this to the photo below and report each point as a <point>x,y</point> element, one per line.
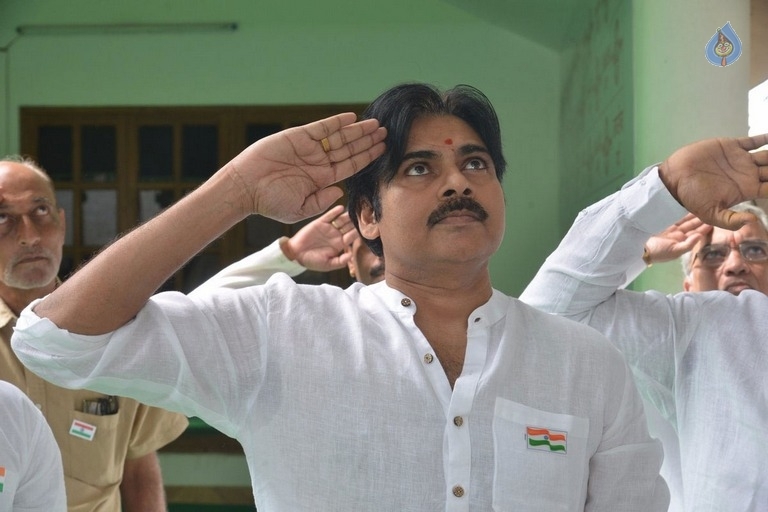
<point>29,282</point>
<point>737,289</point>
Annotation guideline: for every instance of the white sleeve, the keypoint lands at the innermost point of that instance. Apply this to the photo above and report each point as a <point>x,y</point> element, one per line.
<point>603,249</point>
<point>253,270</point>
<point>624,471</point>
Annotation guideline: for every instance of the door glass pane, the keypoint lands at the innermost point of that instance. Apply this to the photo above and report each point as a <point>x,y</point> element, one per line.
<point>54,151</point>
<point>199,152</point>
<point>199,269</point>
<point>152,202</point>
<point>260,232</point>
<point>99,153</point>
<point>99,209</point>
<point>64,200</point>
<point>67,266</point>
<point>155,153</point>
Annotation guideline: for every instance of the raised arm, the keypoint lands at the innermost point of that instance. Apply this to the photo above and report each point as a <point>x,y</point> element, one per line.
<point>287,177</point>
<point>603,249</point>
<point>710,176</point>
<point>321,244</point>
<point>317,246</point>
<point>676,240</point>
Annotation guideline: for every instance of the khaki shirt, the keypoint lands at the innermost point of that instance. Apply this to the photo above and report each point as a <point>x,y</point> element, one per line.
<point>93,469</point>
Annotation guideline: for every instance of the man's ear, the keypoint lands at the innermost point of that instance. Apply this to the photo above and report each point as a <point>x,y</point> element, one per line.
<point>369,226</point>
<point>687,284</point>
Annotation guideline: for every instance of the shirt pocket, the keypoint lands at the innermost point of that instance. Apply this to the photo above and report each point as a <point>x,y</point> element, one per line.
<point>98,461</point>
<point>540,459</point>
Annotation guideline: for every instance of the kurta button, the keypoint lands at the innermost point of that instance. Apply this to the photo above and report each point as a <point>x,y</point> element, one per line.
<point>458,421</point>
<point>405,302</point>
<point>428,358</point>
<point>458,491</point>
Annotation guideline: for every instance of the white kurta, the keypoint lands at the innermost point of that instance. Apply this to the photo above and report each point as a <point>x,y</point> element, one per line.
<point>340,403</point>
<point>701,359</point>
<point>31,476</point>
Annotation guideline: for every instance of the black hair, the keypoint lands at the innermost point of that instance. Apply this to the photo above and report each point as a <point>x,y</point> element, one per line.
<point>396,109</point>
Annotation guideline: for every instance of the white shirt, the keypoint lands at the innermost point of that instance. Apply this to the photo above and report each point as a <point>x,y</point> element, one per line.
<point>31,477</point>
<point>700,358</point>
<point>340,403</point>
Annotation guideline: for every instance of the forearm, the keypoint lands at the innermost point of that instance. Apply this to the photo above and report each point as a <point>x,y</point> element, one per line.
<point>287,176</point>
<point>603,248</point>
<point>110,289</point>
<point>142,487</point>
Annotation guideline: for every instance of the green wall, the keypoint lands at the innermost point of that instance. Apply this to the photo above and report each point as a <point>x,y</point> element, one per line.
<point>301,52</point>
<point>679,96</point>
<point>596,130</point>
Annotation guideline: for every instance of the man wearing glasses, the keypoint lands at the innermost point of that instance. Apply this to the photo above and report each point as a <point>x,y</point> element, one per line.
<point>732,261</point>
<point>700,360</point>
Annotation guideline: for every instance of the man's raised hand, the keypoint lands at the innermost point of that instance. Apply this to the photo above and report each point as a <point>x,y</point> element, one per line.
<point>291,175</point>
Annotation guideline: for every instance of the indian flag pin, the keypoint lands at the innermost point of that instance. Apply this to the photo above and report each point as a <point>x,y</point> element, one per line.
<point>548,440</point>
<point>2,478</point>
<point>82,430</point>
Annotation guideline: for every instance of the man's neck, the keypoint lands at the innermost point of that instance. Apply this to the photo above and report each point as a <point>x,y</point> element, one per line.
<point>444,293</point>
<point>443,306</point>
<point>17,299</point>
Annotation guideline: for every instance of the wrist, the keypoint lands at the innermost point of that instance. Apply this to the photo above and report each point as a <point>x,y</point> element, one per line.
<point>647,257</point>
<point>285,246</point>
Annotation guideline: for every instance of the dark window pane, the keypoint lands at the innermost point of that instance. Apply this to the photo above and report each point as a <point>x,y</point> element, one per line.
<point>254,132</point>
<point>155,152</point>
<point>199,269</point>
<point>67,267</point>
<point>54,151</point>
<point>260,232</point>
<point>99,153</point>
<point>199,152</point>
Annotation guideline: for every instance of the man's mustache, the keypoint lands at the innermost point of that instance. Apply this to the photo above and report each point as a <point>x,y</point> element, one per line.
<point>457,204</point>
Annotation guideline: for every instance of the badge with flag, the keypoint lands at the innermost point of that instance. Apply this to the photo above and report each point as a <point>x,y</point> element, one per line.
<point>546,440</point>
<point>2,478</point>
<point>82,430</point>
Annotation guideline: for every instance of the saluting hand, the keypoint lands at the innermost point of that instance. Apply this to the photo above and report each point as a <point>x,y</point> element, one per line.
<point>677,239</point>
<point>710,176</point>
<point>290,175</point>
<point>321,244</point>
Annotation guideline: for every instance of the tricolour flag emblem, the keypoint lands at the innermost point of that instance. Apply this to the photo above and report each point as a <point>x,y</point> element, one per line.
<point>82,430</point>
<point>546,440</point>
<point>2,478</point>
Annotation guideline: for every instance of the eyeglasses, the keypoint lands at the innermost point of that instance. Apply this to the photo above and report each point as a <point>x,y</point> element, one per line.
<point>714,255</point>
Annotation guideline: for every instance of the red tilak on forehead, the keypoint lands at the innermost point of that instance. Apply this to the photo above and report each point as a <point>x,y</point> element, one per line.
<point>449,141</point>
